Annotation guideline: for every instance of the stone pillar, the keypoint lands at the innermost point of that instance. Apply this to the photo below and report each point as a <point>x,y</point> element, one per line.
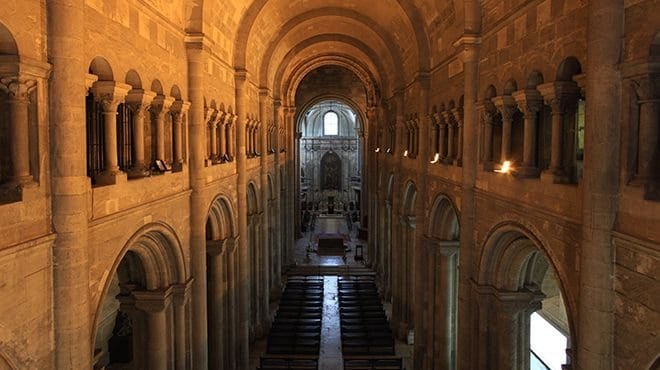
<point>198,204</point>
<point>277,114</point>
<point>445,310</point>
<point>233,309</point>
<point>451,124</point>
<point>458,118</point>
<point>469,44</point>
<point>513,311</point>
<point>264,102</point>
<point>242,334</point>
<point>507,107</point>
<point>110,94</point>
<point>488,117</point>
<point>213,128</point>
<point>155,304</point>
<point>530,103</point>
<point>160,106</point>
<point>215,251</point>
<point>222,147</point>
<point>649,131</point>
<point>72,330</point>
<point>18,93</point>
<point>139,102</point>
<point>442,136</point>
<point>181,294</point>
<point>231,138</point>
<point>179,109</point>
<point>601,184</point>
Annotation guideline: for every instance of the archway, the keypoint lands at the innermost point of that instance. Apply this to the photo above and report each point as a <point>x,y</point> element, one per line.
<point>258,291</point>
<point>330,160</point>
<point>402,277</point>
<point>145,303</point>
<point>440,279</point>
<point>222,283</point>
<point>518,280</point>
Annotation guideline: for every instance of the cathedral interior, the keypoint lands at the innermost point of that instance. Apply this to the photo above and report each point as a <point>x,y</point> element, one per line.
<point>330,184</point>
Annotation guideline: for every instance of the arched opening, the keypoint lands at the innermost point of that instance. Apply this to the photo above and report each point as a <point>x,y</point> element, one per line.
<point>403,252</point>
<point>222,281</point>
<point>330,161</point>
<point>440,278</point>
<point>529,327</point>
<point>258,306</point>
<point>144,304</point>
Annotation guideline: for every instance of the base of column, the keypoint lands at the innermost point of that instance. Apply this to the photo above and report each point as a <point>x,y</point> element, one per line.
<point>652,190</point>
<point>554,177</point>
<point>526,172</point>
<point>177,166</point>
<point>111,178</point>
<point>138,172</point>
<point>488,166</point>
<point>18,191</point>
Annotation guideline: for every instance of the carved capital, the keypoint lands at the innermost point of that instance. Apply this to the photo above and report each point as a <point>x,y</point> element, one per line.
<point>162,104</point>
<point>110,94</point>
<point>458,116</point>
<point>152,301</point>
<point>506,105</point>
<point>209,113</point>
<point>18,88</point>
<point>561,95</point>
<point>529,101</point>
<point>139,100</point>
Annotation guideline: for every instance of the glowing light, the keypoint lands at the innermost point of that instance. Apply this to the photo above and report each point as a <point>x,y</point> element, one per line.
<point>377,150</point>
<point>506,167</point>
<point>436,158</point>
<point>389,150</point>
<point>405,154</point>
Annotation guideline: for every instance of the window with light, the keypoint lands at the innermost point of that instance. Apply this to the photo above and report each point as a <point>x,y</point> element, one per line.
<point>331,124</point>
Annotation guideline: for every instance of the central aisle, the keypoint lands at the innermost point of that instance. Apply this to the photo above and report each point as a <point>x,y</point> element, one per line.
<point>330,356</point>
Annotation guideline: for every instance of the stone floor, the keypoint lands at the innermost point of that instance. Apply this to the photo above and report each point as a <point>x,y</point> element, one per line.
<point>330,356</point>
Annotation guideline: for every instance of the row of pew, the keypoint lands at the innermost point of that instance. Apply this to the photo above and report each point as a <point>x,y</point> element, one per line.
<point>295,336</point>
<point>367,340</point>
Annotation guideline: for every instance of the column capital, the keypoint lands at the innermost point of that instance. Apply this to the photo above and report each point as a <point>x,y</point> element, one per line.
<point>17,87</point>
<point>90,79</point>
<point>110,94</point>
<point>139,100</point>
<point>372,112</point>
<point>152,301</point>
<point>182,292</point>
<point>208,114</point>
<point>216,247</point>
<point>529,101</point>
<point>506,105</point>
<point>448,118</point>
<point>180,106</point>
<point>445,247</point>
<point>469,44</point>
<point>458,115</point>
<point>162,104</point>
<point>518,301</point>
<point>560,95</point>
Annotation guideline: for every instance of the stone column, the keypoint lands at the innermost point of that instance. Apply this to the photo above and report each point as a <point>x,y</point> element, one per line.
<point>213,126</point>
<point>264,102</point>
<point>530,103</point>
<point>513,311</point>
<point>155,304</point>
<point>443,136</point>
<point>215,251</point>
<point>445,309</point>
<point>469,44</point>
<point>179,109</point>
<point>222,147</point>
<point>277,114</point>
<point>18,93</point>
<point>198,202</point>
<point>507,107</point>
<point>649,131</point>
<point>181,294</point>
<point>458,118</point>
<point>233,309</point>
<point>231,138</point>
<point>160,106</point>
<point>72,330</point>
<point>110,94</point>
<point>139,102</point>
<point>488,118</point>
<point>601,184</point>
<point>242,334</point>
<point>449,118</point>
<point>437,131</point>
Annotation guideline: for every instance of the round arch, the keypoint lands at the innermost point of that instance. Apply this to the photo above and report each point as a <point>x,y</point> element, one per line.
<point>325,97</point>
<point>221,213</point>
<point>444,221</point>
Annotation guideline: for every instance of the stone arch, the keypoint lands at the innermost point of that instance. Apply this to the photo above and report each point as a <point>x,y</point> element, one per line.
<point>409,199</point>
<point>8,44</point>
<point>157,87</point>
<point>257,258</point>
<point>133,79</point>
<point>100,67</point>
<point>510,86</point>
<point>221,281</point>
<point>444,224</point>
<point>148,275</point>
<point>516,275</point>
<point>534,79</point>
<point>175,92</point>
<point>568,68</point>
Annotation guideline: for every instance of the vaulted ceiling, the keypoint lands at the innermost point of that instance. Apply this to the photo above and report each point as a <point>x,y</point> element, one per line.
<point>384,42</point>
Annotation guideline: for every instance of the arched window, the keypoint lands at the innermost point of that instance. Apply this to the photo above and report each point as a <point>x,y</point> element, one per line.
<point>331,123</point>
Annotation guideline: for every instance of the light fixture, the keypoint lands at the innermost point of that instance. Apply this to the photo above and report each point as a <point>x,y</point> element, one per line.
<point>506,167</point>
<point>377,150</point>
<point>405,154</point>
<point>389,150</point>
<point>436,158</point>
